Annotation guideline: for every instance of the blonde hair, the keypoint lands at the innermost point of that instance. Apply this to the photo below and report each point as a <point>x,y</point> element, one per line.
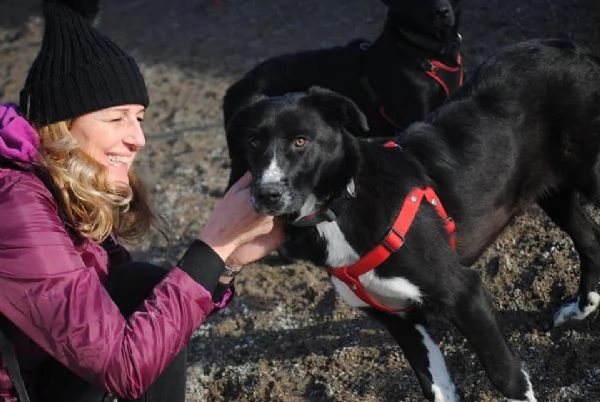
<point>92,206</point>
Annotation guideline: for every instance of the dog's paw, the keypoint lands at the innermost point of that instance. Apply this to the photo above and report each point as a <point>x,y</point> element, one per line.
<point>444,395</point>
<point>529,395</point>
<point>572,311</point>
<point>528,399</point>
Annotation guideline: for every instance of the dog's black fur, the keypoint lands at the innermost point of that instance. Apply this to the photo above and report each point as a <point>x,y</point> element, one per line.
<point>524,130</point>
<point>393,67</point>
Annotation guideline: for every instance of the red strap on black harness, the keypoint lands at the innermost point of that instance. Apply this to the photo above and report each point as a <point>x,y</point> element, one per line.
<point>449,78</point>
<point>446,75</point>
<point>391,243</point>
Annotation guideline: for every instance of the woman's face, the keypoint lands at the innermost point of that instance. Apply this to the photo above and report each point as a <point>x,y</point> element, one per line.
<point>113,137</point>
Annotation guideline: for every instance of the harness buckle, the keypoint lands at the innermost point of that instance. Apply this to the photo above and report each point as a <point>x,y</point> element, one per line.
<point>450,225</point>
<point>364,46</point>
<point>329,215</point>
<point>428,65</point>
<point>391,247</point>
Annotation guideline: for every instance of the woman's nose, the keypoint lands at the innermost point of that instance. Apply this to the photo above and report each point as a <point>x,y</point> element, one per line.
<point>135,137</point>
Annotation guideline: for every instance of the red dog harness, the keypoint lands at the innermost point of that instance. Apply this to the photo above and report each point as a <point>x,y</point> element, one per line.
<point>449,78</point>
<point>392,242</point>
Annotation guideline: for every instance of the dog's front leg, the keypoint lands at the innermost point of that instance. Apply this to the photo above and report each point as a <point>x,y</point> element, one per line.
<point>565,209</point>
<point>475,317</point>
<point>422,353</point>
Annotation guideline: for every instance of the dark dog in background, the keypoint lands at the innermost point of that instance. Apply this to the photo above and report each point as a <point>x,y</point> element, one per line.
<point>524,130</point>
<point>407,72</point>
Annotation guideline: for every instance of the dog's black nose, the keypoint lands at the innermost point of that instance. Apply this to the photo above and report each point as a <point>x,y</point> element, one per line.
<point>269,193</point>
<point>443,12</point>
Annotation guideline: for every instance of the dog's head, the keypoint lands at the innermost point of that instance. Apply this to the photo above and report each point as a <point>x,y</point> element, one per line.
<point>300,148</point>
<point>435,18</point>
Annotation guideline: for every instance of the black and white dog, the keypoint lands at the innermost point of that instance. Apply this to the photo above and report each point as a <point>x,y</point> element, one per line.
<point>525,129</point>
<point>407,72</point>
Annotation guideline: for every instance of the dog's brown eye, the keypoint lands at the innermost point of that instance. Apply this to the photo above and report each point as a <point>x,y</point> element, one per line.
<point>299,142</point>
<point>253,142</point>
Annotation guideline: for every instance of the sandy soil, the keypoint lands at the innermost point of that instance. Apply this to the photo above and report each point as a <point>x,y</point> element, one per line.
<point>287,337</point>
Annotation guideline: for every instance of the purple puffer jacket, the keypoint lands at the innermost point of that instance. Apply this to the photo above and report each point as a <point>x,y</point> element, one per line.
<point>52,289</point>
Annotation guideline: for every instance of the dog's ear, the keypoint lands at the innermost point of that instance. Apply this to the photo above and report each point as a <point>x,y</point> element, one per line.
<point>338,110</point>
<point>254,98</point>
<point>247,103</point>
<point>386,2</point>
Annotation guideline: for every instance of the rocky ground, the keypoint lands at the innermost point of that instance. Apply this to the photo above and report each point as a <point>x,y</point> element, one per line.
<point>287,337</point>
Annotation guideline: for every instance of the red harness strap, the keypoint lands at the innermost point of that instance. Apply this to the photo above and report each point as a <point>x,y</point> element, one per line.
<point>387,118</point>
<point>438,70</point>
<point>449,78</point>
<point>391,243</point>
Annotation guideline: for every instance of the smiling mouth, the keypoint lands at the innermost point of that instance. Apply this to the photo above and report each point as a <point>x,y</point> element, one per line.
<point>118,160</point>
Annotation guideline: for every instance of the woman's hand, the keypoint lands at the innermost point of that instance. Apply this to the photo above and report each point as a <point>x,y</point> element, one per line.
<point>258,248</point>
<point>254,250</point>
<point>234,222</point>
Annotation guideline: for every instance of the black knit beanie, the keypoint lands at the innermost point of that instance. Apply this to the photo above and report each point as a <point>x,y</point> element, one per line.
<point>78,70</point>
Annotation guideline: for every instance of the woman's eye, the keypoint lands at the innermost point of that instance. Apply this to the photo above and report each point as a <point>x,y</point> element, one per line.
<point>300,142</point>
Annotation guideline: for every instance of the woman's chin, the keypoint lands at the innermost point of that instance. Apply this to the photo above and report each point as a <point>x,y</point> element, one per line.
<point>119,180</point>
<point>118,175</point>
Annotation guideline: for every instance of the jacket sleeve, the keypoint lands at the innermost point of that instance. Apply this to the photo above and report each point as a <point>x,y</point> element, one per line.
<point>50,291</point>
<point>117,254</point>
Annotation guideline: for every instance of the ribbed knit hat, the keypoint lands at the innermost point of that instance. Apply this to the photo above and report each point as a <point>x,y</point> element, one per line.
<point>78,70</point>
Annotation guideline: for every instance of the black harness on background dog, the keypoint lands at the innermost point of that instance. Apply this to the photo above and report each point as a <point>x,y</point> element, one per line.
<point>448,77</point>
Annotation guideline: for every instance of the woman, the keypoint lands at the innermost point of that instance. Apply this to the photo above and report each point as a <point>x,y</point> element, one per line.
<point>84,319</point>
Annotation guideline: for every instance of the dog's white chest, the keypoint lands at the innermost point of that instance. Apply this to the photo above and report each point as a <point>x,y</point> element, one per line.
<point>339,251</point>
<point>394,292</point>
